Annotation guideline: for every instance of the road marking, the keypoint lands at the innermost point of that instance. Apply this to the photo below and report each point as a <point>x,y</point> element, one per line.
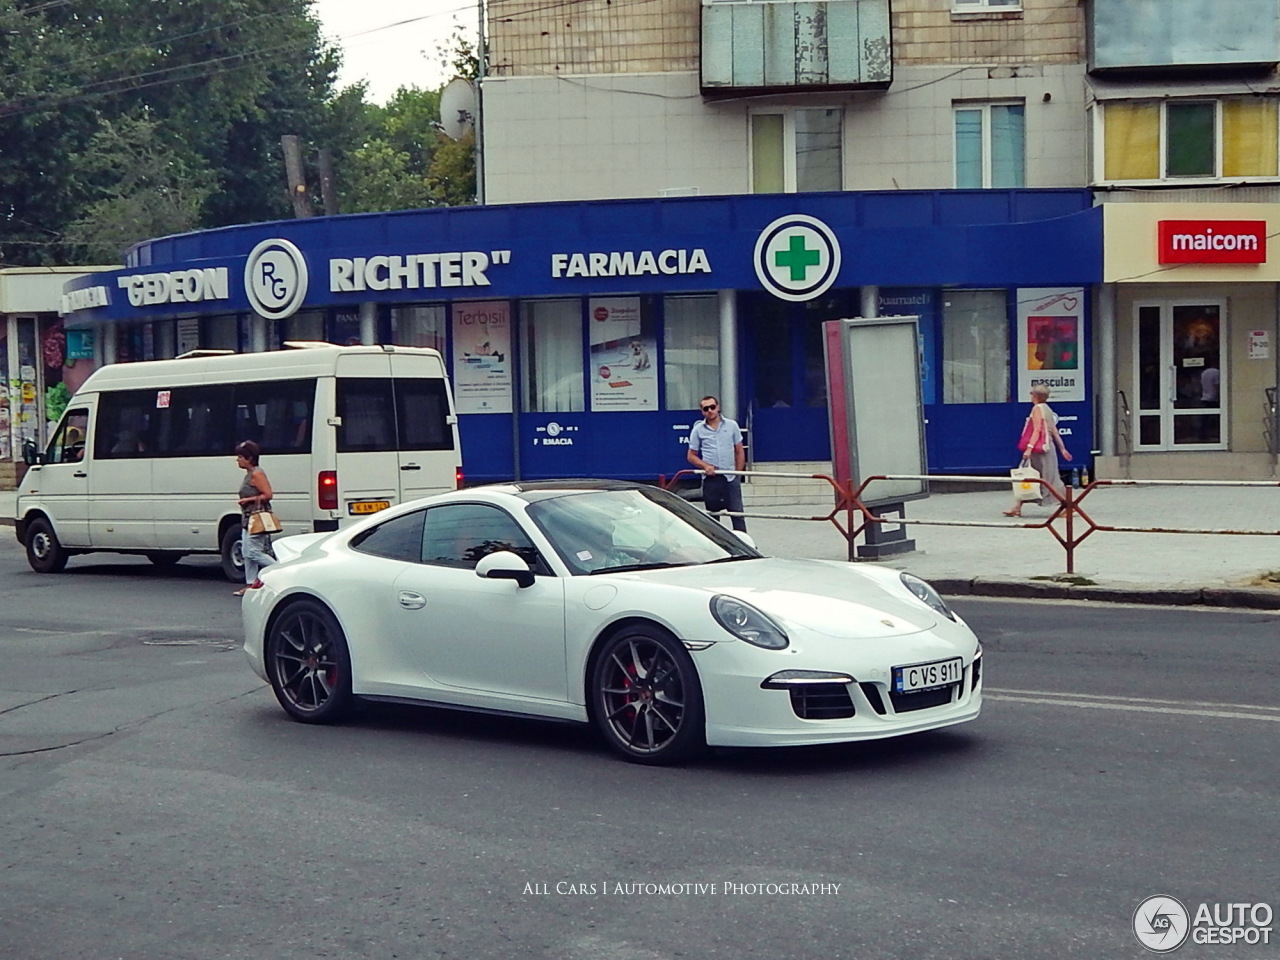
<point>1089,701</point>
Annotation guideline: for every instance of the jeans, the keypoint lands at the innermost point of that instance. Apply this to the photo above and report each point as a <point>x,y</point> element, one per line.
<point>256,549</point>
<point>721,493</point>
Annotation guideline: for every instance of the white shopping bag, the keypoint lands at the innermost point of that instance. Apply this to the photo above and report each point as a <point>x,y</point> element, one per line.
<point>1025,487</point>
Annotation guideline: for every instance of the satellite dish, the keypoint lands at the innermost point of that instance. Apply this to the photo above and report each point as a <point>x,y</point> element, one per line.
<point>457,108</point>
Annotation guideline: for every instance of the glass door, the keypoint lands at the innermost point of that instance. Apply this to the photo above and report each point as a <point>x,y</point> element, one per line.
<point>1179,376</point>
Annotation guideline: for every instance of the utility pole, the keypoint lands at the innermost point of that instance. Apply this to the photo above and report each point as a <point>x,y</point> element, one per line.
<point>297,177</point>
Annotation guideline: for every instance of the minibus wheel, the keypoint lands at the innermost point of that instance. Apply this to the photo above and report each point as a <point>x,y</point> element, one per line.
<point>44,552</point>
<point>232,557</point>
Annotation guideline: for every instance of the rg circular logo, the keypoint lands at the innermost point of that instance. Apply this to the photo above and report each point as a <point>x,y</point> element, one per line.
<point>275,279</point>
<point>797,257</point>
<point>553,429</point>
<point>1161,924</point>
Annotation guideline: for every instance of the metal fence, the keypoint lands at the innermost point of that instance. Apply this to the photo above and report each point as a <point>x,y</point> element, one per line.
<point>1070,524</point>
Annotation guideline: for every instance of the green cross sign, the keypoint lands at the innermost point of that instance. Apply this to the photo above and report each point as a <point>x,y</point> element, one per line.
<point>798,258</point>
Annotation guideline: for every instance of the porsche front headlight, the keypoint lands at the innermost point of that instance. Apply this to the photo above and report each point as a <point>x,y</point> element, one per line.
<point>747,623</point>
<point>927,595</point>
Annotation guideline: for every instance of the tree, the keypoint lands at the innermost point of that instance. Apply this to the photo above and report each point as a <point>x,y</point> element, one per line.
<point>221,79</point>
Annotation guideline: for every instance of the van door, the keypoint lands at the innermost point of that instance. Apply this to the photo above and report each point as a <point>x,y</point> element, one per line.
<point>367,462</point>
<point>64,477</point>
<point>426,428</point>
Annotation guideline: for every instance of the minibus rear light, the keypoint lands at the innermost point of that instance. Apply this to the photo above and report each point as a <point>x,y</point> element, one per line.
<point>327,489</point>
<point>458,480</point>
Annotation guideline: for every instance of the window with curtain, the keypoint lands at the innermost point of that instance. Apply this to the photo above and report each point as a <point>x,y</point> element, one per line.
<point>975,347</point>
<point>691,355</point>
<point>797,151</point>
<point>551,376</point>
<point>1228,137</point>
<point>990,145</point>
<point>419,325</point>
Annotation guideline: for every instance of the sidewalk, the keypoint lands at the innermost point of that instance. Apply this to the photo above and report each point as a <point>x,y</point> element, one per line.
<point>1012,561</point>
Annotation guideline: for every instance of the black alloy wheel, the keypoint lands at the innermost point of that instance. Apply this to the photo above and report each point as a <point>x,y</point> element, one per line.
<point>309,665</point>
<point>645,697</point>
<point>44,551</point>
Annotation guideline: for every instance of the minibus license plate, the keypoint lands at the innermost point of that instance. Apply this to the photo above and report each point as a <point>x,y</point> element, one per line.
<point>926,676</point>
<point>367,506</point>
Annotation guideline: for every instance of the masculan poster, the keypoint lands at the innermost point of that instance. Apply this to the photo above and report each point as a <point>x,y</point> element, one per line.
<point>482,357</point>
<point>624,372</point>
<point>1051,342</point>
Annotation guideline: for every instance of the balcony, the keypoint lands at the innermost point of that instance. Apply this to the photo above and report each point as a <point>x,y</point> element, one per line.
<point>774,46</point>
<point>1184,36</point>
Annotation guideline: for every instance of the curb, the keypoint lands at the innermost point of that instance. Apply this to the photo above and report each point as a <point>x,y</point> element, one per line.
<point>1254,598</point>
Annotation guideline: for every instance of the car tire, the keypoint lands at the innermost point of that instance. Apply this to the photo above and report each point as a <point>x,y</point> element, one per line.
<point>44,551</point>
<point>232,555</point>
<point>645,697</point>
<point>164,559</point>
<point>308,663</point>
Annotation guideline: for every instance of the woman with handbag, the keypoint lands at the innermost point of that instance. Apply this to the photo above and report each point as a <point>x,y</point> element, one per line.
<point>255,499</point>
<point>1040,444</point>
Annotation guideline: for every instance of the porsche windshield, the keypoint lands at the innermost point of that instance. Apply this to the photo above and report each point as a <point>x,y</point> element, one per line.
<point>608,531</point>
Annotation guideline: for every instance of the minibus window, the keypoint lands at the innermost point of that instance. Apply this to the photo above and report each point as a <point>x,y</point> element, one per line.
<point>276,414</point>
<point>368,415</point>
<point>422,414</point>
<point>124,425</point>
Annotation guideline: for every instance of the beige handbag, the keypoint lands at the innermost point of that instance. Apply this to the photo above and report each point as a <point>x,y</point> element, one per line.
<point>264,521</point>
<point>1025,487</point>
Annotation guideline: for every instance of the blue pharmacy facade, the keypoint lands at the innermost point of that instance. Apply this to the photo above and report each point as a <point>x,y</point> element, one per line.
<point>581,336</point>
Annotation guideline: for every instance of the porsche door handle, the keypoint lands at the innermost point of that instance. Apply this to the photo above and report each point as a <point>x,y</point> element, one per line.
<point>411,601</point>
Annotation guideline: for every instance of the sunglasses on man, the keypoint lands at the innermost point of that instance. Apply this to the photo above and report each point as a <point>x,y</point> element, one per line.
<point>708,408</point>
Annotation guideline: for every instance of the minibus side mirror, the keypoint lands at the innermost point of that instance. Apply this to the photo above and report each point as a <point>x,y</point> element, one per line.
<point>31,453</point>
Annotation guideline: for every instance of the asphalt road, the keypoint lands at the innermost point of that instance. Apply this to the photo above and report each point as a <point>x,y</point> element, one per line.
<point>155,804</point>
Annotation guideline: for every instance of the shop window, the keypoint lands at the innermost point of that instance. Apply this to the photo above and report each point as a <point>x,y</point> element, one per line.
<point>1189,139</point>
<point>975,347</point>
<point>419,325</point>
<point>551,356</point>
<point>691,350</point>
<point>990,145</point>
<point>623,336</point>
<point>798,151</point>
<point>222,333</point>
<point>307,325</point>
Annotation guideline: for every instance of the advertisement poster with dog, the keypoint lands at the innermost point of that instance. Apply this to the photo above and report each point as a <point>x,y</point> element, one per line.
<point>482,357</point>
<point>1050,342</point>
<point>624,347</point>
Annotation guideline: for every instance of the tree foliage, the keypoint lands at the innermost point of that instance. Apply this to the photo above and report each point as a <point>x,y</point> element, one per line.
<point>127,119</point>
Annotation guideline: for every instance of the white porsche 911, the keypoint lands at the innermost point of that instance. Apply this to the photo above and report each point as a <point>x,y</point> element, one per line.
<point>609,603</point>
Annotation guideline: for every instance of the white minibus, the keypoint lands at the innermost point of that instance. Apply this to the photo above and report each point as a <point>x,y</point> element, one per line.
<point>142,459</point>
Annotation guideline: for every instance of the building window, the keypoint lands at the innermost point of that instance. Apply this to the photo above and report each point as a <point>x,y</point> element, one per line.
<point>1225,138</point>
<point>691,353</point>
<point>983,6</point>
<point>990,145</point>
<point>551,356</point>
<point>798,151</point>
<point>975,347</point>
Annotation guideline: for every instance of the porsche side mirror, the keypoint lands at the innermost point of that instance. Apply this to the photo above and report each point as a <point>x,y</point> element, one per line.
<point>505,565</point>
<point>30,453</point>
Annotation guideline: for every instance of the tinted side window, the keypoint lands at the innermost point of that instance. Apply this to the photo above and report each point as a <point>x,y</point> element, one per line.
<point>398,539</point>
<point>368,415</point>
<point>276,415</point>
<point>422,414</point>
<point>459,535</point>
<point>124,425</point>
<point>196,423</point>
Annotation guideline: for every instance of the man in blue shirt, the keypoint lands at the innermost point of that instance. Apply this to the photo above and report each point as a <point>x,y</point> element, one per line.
<point>716,444</point>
